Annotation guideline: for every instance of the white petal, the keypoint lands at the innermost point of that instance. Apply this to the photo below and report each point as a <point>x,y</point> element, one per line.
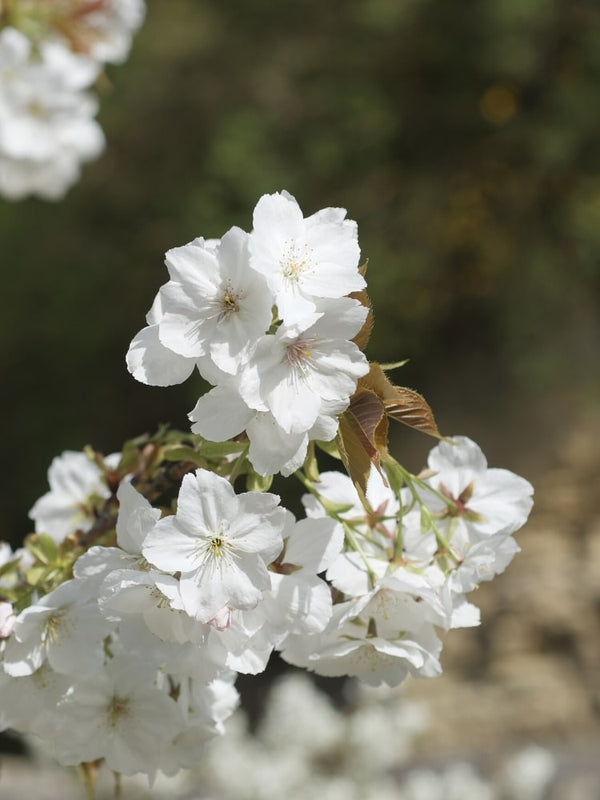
<point>152,363</point>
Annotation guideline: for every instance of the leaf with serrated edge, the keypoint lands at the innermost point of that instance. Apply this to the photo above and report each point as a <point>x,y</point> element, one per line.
<point>411,408</point>
<point>402,404</point>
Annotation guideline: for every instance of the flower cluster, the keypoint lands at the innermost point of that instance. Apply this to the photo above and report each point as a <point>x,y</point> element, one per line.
<point>266,317</point>
<point>414,557</point>
<point>51,53</point>
<point>152,579</point>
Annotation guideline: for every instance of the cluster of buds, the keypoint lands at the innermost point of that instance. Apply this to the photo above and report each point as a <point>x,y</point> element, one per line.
<point>157,574</point>
<point>51,54</point>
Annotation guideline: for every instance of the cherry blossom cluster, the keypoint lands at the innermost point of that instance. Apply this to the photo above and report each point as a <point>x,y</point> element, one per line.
<point>153,578</point>
<point>267,319</point>
<point>414,556</point>
<point>51,53</point>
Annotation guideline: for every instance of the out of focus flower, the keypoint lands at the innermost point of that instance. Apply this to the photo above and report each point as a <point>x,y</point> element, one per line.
<point>47,125</point>
<point>51,52</point>
<point>75,483</point>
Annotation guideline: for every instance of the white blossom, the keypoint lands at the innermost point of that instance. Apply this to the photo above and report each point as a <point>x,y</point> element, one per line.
<point>47,126</point>
<point>302,259</point>
<point>74,480</point>
<point>220,542</point>
<point>119,716</point>
<point>214,304</point>
<point>65,627</point>
<point>303,367</point>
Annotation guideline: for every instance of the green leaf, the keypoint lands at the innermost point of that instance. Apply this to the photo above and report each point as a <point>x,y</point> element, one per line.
<point>182,453</point>
<point>394,474</point>
<point>213,451</point>
<point>10,566</point>
<point>330,448</point>
<point>311,466</point>
<point>42,547</point>
<point>35,574</point>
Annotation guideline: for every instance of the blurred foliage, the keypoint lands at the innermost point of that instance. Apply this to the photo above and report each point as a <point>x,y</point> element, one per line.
<point>463,138</point>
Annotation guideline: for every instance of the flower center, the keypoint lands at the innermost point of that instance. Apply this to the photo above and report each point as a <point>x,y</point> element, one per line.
<point>295,261</point>
<point>117,708</point>
<point>53,626</point>
<point>229,302</point>
<point>299,352</point>
<point>161,600</point>
<point>216,546</point>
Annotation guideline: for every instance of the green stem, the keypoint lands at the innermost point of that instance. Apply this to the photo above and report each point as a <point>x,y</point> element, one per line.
<point>89,771</point>
<point>237,466</point>
<point>349,532</point>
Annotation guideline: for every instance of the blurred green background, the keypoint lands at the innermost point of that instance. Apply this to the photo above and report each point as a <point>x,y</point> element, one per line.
<point>462,136</point>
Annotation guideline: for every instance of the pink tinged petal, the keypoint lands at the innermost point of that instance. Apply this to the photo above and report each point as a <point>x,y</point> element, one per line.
<point>220,414</point>
<point>222,619</point>
<point>314,544</point>
<point>150,362</point>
